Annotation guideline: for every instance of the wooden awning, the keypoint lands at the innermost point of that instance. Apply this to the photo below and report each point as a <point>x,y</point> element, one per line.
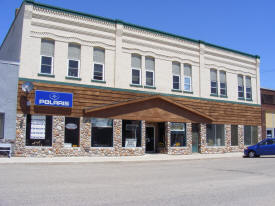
<point>154,108</point>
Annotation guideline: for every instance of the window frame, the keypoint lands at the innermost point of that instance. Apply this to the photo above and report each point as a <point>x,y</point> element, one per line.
<point>250,98</point>
<point>215,138</point>
<point>138,69</point>
<point>179,83</point>
<point>217,86</point>
<point>52,65</point>
<point>243,97</point>
<point>251,137</point>
<point>78,69</point>
<point>112,136</point>
<point>103,71</point>
<point>187,77</point>
<point>225,83</point>
<point>146,78</point>
<point>185,134</point>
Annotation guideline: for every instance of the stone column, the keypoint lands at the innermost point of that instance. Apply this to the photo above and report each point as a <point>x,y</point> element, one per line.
<point>203,138</point>
<point>117,130</point>
<point>167,136</point>
<point>189,137</point>
<point>260,133</point>
<point>241,136</point>
<point>85,135</point>
<point>143,136</point>
<point>20,141</point>
<point>228,137</point>
<point>58,135</point>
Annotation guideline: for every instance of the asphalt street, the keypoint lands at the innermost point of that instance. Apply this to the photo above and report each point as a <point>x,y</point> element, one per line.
<point>230,181</point>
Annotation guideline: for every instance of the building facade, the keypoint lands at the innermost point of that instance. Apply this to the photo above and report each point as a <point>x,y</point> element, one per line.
<point>8,101</point>
<point>106,87</point>
<point>268,113</point>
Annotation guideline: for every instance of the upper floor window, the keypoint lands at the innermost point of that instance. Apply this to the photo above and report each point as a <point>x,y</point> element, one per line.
<point>74,51</point>
<point>248,87</point>
<point>150,70</point>
<point>99,59</point>
<point>47,54</point>
<point>223,91</point>
<point>214,84</point>
<point>176,75</point>
<point>187,77</point>
<point>240,87</point>
<point>136,68</point>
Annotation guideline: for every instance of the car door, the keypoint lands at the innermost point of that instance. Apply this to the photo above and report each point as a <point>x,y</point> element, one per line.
<point>266,147</point>
<point>272,149</point>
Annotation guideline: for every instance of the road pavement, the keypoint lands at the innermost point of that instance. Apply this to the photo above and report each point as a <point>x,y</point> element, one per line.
<point>229,182</point>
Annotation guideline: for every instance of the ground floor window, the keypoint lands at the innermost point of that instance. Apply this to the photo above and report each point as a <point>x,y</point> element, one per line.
<point>215,134</point>
<point>234,135</point>
<point>2,118</point>
<point>178,134</point>
<point>71,132</point>
<point>131,133</point>
<point>102,132</point>
<point>39,130</point>
<point>250,135</point>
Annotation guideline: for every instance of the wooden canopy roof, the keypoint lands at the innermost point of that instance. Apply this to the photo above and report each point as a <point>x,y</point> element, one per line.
<point>154,108</point>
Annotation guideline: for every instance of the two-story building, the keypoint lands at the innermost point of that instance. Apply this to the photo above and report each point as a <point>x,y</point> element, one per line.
<point>107,87</point>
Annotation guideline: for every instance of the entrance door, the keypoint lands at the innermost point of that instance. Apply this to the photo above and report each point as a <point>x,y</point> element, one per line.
<point>195,138</point>
<point>150,139</point>
<point>72,132</point>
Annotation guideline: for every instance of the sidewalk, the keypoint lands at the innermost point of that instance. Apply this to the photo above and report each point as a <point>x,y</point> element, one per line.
<point>147,157</point>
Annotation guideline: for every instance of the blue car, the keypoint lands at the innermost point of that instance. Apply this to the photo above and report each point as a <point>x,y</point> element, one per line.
<point>265,147</point>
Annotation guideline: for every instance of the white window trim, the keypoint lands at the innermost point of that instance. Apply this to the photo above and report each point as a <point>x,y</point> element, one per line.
<point>103,72</point>
<point>173,81</point>
<point>52,67</point>
<point>190,78</point>
<point>78,73</point>
<point>153,78</point>
<point>136,68</point>
<point>248,87</point>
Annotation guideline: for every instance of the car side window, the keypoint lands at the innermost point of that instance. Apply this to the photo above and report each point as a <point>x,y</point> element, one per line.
<point>269,142</point>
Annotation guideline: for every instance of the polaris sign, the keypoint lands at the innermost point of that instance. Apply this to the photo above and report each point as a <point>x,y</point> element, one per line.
<point>56,99</point>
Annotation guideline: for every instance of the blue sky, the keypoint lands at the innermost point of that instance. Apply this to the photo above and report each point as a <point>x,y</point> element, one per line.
<point>245,25</point>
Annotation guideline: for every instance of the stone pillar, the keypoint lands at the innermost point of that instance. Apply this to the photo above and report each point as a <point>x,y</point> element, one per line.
<point>143,135</point>
<point>189,137</point>
<point>260,133</point>
<point>241,136</point>
<point>85,135</point>
<point>167,136</point>
<point>58,135</point>
<point>117,130</point>
<point>228,137</point>
<point>20,141</point>
<point>203,138</point>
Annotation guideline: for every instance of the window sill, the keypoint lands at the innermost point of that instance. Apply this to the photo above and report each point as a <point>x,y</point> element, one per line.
<point>176,90</point>
<point>149,87</point>
<point>46,75</point>
<point>241,98</point>
<point>223,96</point>
<point>214,95</point>
<point>98,81</point>
<point>188,92</point>
<point>250,100</point>
<point>135,85</point>
<point>73,78</point>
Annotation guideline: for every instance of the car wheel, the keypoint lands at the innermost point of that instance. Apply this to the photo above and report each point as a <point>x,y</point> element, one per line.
<point>252,154</point>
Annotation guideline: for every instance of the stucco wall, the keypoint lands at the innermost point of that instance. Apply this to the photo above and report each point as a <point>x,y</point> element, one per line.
<point>8,99</point>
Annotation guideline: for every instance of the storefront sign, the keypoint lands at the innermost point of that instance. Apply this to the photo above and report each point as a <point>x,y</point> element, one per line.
<point>57,99</point>
<point>71,126</point>
<point>38,126</point>
<point>130,143</point>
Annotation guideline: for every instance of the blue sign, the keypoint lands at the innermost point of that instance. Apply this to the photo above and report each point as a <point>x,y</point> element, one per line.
<point>57,99</point>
